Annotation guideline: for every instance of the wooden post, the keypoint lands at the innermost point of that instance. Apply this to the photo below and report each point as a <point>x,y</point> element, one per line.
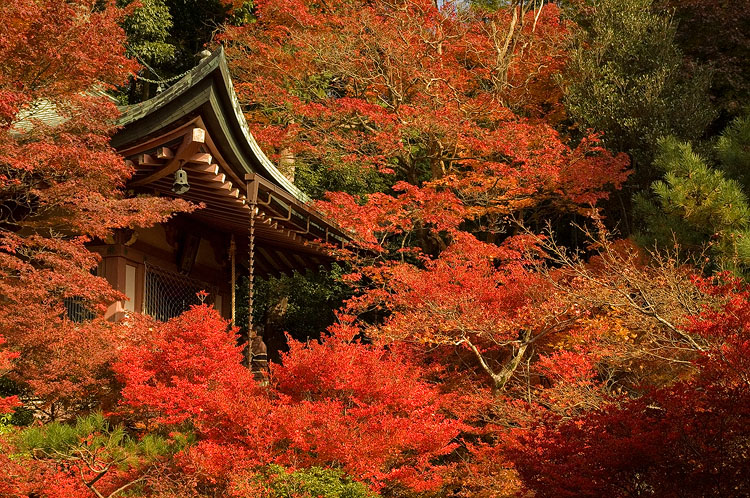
<point>232,252</point>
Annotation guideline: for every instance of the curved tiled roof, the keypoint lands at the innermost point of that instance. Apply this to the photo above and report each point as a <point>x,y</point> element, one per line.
<point>206,90</point>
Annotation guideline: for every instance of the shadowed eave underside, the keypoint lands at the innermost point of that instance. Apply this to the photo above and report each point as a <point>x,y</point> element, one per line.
<point>198,125</point>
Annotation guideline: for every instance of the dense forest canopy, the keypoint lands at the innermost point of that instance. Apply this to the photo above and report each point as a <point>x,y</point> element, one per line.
<point>547,289</point>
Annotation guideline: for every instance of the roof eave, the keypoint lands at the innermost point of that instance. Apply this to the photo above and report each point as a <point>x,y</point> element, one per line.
<point>224,103</point>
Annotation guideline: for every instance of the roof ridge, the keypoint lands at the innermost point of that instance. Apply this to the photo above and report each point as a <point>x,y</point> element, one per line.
<point>216,61</point>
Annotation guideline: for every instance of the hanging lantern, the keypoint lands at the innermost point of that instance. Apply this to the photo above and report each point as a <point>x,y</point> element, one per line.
<point>180,185</point>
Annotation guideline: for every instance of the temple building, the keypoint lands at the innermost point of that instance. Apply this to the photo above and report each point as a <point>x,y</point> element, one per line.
<point>192,142</point>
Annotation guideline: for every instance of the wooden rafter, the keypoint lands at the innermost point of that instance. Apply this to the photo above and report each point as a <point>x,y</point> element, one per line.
<point>281,220</point>
<point>190,145</point>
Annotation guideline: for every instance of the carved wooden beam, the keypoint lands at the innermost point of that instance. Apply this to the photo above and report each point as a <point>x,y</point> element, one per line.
<point>164,153</point>
<point>201,158</point>
<point>191,142</point>
<point>148,160</point>
<point>205,168</point>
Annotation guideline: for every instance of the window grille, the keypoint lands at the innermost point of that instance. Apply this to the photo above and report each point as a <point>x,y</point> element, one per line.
<point>77,309</point>
<point>167,294</point>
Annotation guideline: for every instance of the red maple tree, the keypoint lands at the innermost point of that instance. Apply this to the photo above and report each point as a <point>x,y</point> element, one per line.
<point>60,185</point>
<point>338,404</point>
<point>687,438</point>
<point>498,361</point>
<point>419,90</point>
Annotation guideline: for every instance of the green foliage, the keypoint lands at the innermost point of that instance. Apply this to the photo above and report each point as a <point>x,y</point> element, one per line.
<point>717,33</point>
<point>301,304</point>
<point>93,435</point>
<point>244,14</point>
<point>489,4</point>
<point>627,78</point>
<point>148,28</point>
<point>697,206</point>
<point>733,151</point>
<point>6,426</point>
<point>314,482</point>
<point>21,415</point>
<point>167,34</point>
<point>317,179</point>
<point>195,23</point>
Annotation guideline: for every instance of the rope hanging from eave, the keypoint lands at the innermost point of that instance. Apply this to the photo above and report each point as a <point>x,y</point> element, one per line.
<point>232,251</point>
<point>161,80</point>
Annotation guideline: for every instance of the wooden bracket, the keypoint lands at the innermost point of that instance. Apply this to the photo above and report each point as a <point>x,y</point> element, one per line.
<point>191,143</point>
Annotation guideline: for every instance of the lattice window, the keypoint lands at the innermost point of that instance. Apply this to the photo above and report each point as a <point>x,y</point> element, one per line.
<point>168,294</point>
<point>77,309</point>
